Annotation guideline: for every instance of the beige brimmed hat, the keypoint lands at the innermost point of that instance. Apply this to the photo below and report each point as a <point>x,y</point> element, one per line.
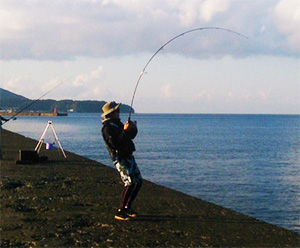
<point>109,107</point>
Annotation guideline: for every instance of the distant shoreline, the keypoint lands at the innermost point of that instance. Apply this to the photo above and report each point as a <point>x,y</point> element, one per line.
<point>37,113</point>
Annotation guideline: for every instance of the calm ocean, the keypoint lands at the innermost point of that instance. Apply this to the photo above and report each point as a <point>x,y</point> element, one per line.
<point>248,163</point>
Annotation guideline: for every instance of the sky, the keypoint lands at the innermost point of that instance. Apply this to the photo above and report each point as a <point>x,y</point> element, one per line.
<point>98,48</point>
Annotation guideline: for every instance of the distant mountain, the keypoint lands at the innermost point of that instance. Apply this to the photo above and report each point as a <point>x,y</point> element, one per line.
<point>7,95</point>
<point>12,101</point>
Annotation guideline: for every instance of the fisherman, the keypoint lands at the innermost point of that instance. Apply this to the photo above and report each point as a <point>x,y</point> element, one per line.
<point>118,139</point>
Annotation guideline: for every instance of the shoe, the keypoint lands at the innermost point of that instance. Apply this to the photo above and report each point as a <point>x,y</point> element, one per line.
<point>121,215</point>
<point>130,212</point>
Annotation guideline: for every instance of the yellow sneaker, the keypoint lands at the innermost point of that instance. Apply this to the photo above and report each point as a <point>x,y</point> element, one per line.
<point>130,212</point>
<point>121,215</point>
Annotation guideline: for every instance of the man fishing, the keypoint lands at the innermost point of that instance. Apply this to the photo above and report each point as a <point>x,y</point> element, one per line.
<point>118,139</point>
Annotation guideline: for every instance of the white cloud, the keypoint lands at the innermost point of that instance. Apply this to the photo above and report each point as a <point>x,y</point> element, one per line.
<point>90,85</point>
<point>19,84</point>
<point>212,7</point>
<point>48,86</point>
<point>187,11</point>
<point>260,84</point>
<point>286,16</point>
<point>203,95</point>
<point>192,11</point>
<point>230,96</point>
<point>87,78</point>
<point>10,21</point>
<point>167,91</point>
<point>64,30</point>
<point>30,87</point>
<point>265,94</point>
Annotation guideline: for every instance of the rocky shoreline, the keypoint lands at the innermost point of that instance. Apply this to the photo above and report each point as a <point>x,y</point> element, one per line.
<point>71,203</point>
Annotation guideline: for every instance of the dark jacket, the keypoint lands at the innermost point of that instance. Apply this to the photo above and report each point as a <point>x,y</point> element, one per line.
<point>118,142</point>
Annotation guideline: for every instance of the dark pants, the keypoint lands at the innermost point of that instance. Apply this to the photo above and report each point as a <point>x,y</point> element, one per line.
<point>132,179</point>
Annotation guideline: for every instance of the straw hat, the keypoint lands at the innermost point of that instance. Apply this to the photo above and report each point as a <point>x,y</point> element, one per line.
<point>109,107</point>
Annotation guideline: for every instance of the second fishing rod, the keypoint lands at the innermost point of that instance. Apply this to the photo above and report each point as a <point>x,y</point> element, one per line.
<point>34,101</point>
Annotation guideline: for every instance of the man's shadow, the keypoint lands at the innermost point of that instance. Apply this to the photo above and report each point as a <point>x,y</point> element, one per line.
<point>199,218</point>
<point>154,217</point>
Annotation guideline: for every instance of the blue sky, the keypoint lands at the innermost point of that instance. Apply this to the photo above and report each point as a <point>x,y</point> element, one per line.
<point>104,45</point>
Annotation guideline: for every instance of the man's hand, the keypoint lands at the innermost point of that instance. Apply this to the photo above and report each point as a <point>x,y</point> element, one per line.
<point>131,129</point>
<point>126,125</point>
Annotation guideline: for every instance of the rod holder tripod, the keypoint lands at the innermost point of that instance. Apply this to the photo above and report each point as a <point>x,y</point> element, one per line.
<point>40,143</point>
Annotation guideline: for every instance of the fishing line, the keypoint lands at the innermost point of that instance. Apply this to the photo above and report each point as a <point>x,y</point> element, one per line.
<point>27,106</point>
<point>162,47</point>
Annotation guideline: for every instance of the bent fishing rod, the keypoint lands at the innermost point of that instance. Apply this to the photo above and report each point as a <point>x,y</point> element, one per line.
<point>30,104</point>
<point>168,42</point>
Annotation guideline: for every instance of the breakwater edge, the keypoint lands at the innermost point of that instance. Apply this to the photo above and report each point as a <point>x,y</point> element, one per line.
<point>71,203</point>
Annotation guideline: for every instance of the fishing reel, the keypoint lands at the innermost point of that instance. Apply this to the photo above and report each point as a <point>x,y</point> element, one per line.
<point>131,129</point>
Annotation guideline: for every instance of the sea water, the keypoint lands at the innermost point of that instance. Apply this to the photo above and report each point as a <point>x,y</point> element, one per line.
<point>248,163</point>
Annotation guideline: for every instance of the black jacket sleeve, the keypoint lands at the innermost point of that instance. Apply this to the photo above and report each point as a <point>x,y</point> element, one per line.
<point>117,140</point>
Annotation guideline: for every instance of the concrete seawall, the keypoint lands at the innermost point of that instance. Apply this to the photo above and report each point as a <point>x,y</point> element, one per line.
<point>71,203</point>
